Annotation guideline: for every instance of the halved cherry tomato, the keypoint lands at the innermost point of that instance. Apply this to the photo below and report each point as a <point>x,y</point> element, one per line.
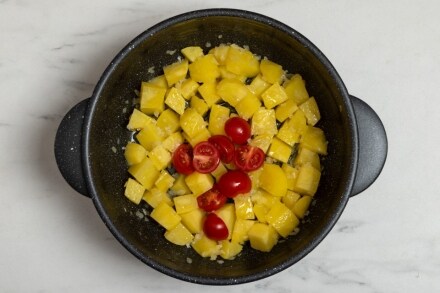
<point>215,228</point>
<point>224,146</point>
<point>234,182</point>
<point>211,200</point>
<point>205,157</point>
<point>182,159</point>
<point>249,158</point>
<point>238,130</point>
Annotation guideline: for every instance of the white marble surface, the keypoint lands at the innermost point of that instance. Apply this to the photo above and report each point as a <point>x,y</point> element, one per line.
<point>53,52</point>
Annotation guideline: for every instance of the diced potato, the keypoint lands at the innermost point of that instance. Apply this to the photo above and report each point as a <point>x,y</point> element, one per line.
<point>199,105</point>
<point>232,91</point>
<point>255,178</point>
<point>145,173</point>
<point>206,247</point>
<point>150,137</point>
<point>261,211</point>
<point>187,88</point>
<point>230,249</point>
<point>279,150</point>
<point>160,157</point>
<point>155,196</point>
<point>217,119</point>
<point>258,86</point>
<point>271,71</point>
<point>179,235</point>
<point>134,191</point>
<point>201,136</point>
<point>220,53</point>
<point>152,99</point>
<point>172,141</point>
<point>193,220</point>
<point>165,181</point>
<point>168,121</point>
<point>311,111</point>
<point>165,216</point>
<point>291,174</point>
<point>159,81</point>
<point>285,110</point>
<point>290,200</point>
<point>139,120</point>
<point>307,180</point>
<point>244,207</point>
<point>179,187</point>
<point>292,128</point>
<point>199,183</point>
<point>226,74</point>
<point>134,153</point>
<point>242,62</point>
<point>219,171</point>
<point>296,89</point>
<point>262,141</point>
<point>185,203</point>
<point>264,122</point>
<point>263,237</point>
<point>192,53</point>
<point>282,219</point>
<point>265,198</point>
<point>204,69</point>
<point>176,72</point>
<point>305,156</point>
<point>273,180</point>
<point>314,139</point>
<point>227,214</point>
<point>208,91</point>
<point>192,122</point>
<point>175,101</point>
<point>302,206</point>
<point>274,96</point>
<point>248,106</point>
<point>241,229</point>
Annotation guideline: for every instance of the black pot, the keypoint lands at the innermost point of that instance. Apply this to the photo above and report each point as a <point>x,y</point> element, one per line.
<point>93,129</point>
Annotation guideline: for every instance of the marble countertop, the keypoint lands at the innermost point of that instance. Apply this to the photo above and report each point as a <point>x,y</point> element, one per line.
<point>52,53</point>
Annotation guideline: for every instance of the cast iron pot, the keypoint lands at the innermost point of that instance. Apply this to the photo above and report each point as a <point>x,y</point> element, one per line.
<point>92,130</point>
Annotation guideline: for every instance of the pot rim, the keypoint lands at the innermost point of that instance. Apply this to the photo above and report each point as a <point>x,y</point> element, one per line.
<point>194,15</point>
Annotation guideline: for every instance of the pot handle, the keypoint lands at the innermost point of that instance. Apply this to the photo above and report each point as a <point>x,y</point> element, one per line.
<point>68,141</point>
<point>373,145</point>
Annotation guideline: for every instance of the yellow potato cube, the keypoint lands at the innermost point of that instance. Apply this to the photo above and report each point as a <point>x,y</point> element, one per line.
<point>192,53</point>
<point>271,71</point>
<point>247,106</point>
<point>225,74</point>
<point>285,110</point>
<point>261,211</point>
<point>139,120</point>
<point>204,69</point>
<point>185,203</point>
<point>244,207</point>
<point>199,183</point>
<point>192,122</point>
<point>290,199</point>
<point>159,81</point>
<point>165,216</point>
<point>258,86</point>
<point>217,119</point>
<point>242,62</point>
<point>145,173</point>
<point>279,150</point>
<point>179,235</point>
<point>291,174</point>
<point>199,105</point>
<point>255,178</point>
<point>134,153</point>
<point>201,136</point>
<point>314,139</point>
<point>176,72</point>
<point>282,219</point>
<point>274,96</point>
<point>208,91</point>
<point>305,156</point>
<point>227,214</point>
<point>273,180</point>
<point>219,171</point>
<point>175,101</point>
<point>220,53</point>
<point>230,249</point>
<point>232,91</point>
<point>155,196</point>
<point>262,141</point>
<point>307,180</point>
<point>187,88</point>
<point>152,99</point>
<point>172,141</point>
<point>291,130</point>
<point>262,237</point>
<point>296,89</point>
<point>179,187</point>
<point>164,181</point>
<point>134,191</point>
<point>264,122</point>
<point>160,157</point>
<point>262,197</point>
<point>150,137</point>
<point>241,229</point>
<point>206,247</point>
<point>168,122</point>
<point>193,220</point>
<point>311,111</point>
<point>302,206</point>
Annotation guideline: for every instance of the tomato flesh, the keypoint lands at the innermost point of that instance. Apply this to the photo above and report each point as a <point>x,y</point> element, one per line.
<point>224,146</point>
<point>215,228</point>
<point>248,158</point>
<point>211,200</point>
<point>234,182</point>
<point>182,159</point>
<point>238,130</point>
<point>205,157</point>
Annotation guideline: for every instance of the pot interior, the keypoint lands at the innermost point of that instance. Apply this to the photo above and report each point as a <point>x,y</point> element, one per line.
<point>110,113</point>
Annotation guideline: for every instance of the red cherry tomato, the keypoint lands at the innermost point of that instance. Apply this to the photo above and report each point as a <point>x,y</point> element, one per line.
<point>248,158</point>
<point>182,159</point>
<point>211,200</point>
<point>205,157</point>
<point>224,146</point>
<point>234,182</point>
<point>215,228</point>
<point>238,130</point>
